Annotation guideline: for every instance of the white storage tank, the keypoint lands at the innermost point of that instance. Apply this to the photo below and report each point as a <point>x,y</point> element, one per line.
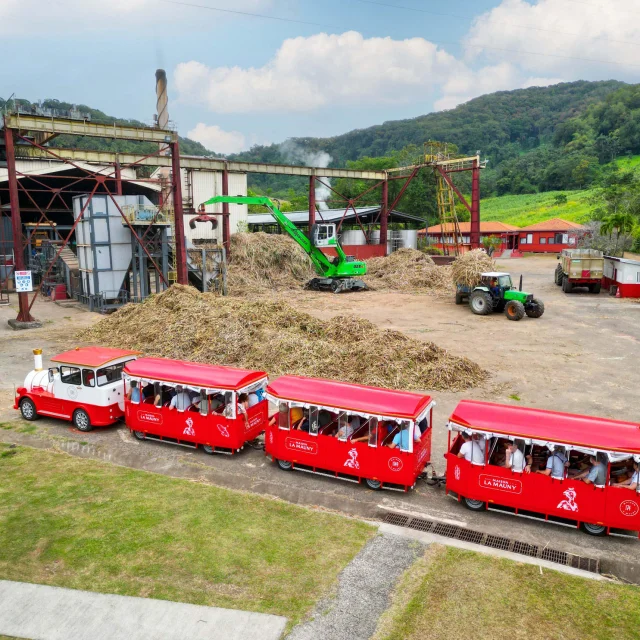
<point>103,242</point>
<point>353,237</point>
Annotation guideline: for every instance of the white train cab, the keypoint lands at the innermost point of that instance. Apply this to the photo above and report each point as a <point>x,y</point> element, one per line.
<point>84,386</point>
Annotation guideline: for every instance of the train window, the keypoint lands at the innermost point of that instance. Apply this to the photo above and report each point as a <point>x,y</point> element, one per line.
<point>204,405</point>
<point>88,378</point>
<point>343,424</point>
<point>404,437</point>
<point>373,432</point>
<point>230,405</point>
<point>283,416</point>
<point>313,421</point>
<point>112,373</point>
<point>70,375</point>
<point>54,371</point>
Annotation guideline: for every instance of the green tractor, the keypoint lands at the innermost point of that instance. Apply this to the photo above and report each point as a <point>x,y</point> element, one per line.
<point>497,293</point>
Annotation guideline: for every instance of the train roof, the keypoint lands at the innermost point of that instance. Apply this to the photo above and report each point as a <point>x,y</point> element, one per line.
<point>93,356</point>
<point>193,373</point>
<point>350,397</point>
<point>550,426</point>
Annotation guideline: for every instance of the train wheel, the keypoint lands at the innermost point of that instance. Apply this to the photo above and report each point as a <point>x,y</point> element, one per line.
<point>373,484</point>
<point>474,505</point>
<point>81,420</point>
<point>28,409</point>
<point>140,435</point>
<point>285,465</point>
<point>594,529</point>
<point>208,449</point>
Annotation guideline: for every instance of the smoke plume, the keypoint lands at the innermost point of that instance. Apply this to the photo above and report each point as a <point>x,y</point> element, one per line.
<point>295,154</point>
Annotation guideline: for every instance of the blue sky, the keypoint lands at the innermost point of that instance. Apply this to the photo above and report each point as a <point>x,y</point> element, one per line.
<point>237,80</point>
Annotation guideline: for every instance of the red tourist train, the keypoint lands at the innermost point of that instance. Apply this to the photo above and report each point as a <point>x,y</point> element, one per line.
<point>350,431</point>
<point>559,467</point>
<point>568,469</point>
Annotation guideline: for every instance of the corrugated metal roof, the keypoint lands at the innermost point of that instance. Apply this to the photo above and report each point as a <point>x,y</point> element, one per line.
<point>329,215</point>
<point>554,224</point>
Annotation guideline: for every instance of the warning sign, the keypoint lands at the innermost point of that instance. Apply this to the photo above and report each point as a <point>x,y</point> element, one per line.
<point>23,281</point>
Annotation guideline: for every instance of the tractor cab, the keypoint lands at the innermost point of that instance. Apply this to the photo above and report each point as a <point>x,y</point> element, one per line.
<point>496,279</point>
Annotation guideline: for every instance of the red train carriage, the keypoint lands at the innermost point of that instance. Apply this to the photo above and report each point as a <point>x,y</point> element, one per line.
<point>350,431</point>
<point>84,386</point>
<point>567,469</point>
<point>194,404</point>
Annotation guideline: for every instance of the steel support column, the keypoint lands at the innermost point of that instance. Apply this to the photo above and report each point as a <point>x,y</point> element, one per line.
<point>312,203</point>
<point>16,225</point>
<point>176,187</point>
<point>118,175</point>
<point>226,236</point>
<point>384,215</point>
<point>474,236</point>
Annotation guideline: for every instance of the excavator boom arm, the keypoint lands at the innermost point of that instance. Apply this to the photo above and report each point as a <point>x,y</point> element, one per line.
<point>321,262</point>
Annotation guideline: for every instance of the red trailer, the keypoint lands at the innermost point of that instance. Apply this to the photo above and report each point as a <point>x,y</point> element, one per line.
<point>564,446</point>
<point>193,404</point>
<point>350,431</point>
<point>84,385</point>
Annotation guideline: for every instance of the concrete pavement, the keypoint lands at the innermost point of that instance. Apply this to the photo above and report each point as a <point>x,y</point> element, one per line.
<point>40,612</point>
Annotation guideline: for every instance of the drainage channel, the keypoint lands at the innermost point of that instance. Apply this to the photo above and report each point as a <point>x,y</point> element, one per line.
<point>495,542</point>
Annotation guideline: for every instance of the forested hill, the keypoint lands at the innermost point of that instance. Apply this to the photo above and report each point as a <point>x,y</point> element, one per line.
<point>187,146</point>
<point>501,125</point>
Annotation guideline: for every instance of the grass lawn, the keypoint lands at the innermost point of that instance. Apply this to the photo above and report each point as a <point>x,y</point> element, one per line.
<point>83,524</point>
<point>460,594</point>
<point>528,209</point>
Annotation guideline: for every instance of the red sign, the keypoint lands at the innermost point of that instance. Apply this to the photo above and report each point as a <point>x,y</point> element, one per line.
<point>510,485</point>
<point>629,508</point>
<point>301,445</point>
<point>147,416</point>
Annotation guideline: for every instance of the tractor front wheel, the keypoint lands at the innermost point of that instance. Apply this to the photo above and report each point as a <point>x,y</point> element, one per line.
<point>514,310</point>
<point>481,303</point>
<point>459,298</point>
<point>535,308</point>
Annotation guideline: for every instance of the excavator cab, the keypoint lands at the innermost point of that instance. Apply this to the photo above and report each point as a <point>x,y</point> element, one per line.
<point>324,235</point>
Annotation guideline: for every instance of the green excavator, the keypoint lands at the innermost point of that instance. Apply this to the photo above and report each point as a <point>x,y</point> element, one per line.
<point>338,274</point>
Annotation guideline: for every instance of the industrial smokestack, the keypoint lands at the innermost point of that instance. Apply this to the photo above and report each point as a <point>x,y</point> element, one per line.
<point>162,99</point>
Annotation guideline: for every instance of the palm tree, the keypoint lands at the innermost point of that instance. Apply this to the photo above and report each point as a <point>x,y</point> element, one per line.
<point>621,223</point>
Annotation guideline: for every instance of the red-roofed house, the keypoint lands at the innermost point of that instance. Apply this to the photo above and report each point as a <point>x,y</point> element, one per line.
<point>507,232</point>
<point>549,236</point>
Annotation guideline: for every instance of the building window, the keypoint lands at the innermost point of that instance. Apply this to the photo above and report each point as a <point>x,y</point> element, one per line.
<point>543,241</point>
<point>552,240</point>
<point>637,276</point>
<point>529,238</point>
<point>559,238</point>
<point>523,240</point>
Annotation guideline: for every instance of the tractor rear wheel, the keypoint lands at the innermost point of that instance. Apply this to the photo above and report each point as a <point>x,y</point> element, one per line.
<point>567,287</point>
<point>514,310</point>
<point>535,309</point>
<point>481,303</point>
<point>595,288</point>
<point>558,275</point>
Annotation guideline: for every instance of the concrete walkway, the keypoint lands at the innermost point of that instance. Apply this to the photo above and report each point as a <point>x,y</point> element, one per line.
<point>39,612</point>
<point>364,591</point>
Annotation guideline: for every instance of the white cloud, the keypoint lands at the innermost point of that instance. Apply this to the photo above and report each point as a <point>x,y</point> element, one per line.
<point>572,35</point>
<point>470,84</point>
<point>216,139</point>
<point>308,73</point>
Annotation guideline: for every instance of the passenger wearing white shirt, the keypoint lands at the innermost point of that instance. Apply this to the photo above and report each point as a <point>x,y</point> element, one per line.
<point>515,458</point>
<point>181,401</point>
<point>473,449</point>
<point>633,481</point>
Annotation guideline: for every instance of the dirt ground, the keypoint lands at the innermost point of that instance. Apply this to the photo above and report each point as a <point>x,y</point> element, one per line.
<point>579,357</point>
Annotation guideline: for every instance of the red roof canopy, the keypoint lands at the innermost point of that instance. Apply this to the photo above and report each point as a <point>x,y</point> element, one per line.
<point>93,356</point>
<point>465,227</point>
<point>192,373</point>
<point>551,426</point>
<point>351,397</point>
<point>554,224</point>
